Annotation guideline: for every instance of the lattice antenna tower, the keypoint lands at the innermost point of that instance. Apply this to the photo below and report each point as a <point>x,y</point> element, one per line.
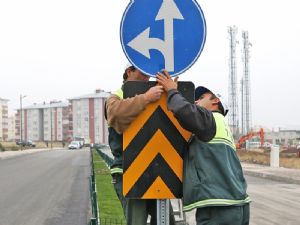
<point>233,119</point>
<point>245,87</point>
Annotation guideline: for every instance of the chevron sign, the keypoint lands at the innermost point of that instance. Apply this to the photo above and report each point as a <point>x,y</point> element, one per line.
<point>153,148</point>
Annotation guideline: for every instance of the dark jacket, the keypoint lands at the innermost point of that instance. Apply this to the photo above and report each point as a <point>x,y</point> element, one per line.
<point>213,174</point>
<point>119,115</point>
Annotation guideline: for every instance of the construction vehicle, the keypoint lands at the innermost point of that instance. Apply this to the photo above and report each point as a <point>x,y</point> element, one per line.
<point>242,140</point>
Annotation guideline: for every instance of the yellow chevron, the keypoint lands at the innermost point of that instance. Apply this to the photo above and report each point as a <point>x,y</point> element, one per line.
<point>158,144</point>
<point>158,190</point>
<point>137,124</point>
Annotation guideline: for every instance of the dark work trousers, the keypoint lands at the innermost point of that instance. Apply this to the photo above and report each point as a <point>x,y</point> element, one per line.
<point>223,215</point>
<point>136,211</point>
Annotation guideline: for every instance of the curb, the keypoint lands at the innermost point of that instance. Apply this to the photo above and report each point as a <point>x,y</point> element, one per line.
<point>271,177</point>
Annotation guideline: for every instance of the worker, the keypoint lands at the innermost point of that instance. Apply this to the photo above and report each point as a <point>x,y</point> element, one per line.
<point>119,114</point>
<point>213,180</point>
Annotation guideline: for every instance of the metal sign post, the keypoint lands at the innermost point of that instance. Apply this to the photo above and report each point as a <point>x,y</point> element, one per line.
<point>163,211</point>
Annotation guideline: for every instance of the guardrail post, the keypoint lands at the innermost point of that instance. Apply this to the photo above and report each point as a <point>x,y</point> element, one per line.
<point>93,221</point>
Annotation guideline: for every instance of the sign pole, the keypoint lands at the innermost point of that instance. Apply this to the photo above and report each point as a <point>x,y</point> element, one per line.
<point>163,209</point>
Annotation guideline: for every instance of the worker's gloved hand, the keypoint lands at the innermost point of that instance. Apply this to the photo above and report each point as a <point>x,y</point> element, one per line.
<point>153,94</point>
<point>164,79</point>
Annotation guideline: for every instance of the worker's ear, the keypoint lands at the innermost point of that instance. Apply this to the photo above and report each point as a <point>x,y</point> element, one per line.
<point>128,71</point>
<point>215,101</point>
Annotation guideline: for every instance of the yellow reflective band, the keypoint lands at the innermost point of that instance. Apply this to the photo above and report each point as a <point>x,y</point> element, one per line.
<point>216,202</point>
<point>223,133</point>
<point>225,142</point>
<point>116,170</point>
<point>222,140</point>
<point>231,146</point>
<point>119,93</point>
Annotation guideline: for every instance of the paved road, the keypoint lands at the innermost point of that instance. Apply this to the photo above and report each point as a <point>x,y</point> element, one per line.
<point>45,188</point>
<point>273,203</point>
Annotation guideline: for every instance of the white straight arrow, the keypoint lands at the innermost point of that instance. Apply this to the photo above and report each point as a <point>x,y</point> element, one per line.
<point>168,12</point>
<point>143,43</point>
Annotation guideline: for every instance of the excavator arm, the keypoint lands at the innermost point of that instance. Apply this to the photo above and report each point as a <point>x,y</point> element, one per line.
<point>250,135</point>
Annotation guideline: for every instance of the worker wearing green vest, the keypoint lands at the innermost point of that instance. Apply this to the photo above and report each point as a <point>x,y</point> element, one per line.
<point>213,180</point>
<point>119,114</point>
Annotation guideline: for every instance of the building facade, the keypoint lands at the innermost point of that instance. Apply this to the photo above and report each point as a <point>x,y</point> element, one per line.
<point>283,137</point>
<point>88,117</point>
<point>44,122</point>
<point>57,122</point>
<point>11,128</point>
<point>3,119</point>
<point>82,117</point>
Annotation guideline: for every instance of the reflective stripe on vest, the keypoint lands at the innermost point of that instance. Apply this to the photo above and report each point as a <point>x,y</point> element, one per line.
<point>119,93</point>
<point>223,133</point>
<point>116,170</point>
<point>216,202</point>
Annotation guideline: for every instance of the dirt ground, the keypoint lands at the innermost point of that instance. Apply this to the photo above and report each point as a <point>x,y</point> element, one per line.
<point>263,157</point>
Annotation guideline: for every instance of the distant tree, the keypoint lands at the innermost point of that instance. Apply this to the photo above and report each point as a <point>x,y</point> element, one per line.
<point>2,149</point>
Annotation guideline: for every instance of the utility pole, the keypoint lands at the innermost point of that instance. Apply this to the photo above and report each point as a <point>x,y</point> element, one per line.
<point>243,107</point>
<point>232,83</point>
<point>51,125</point>
<point>246,88</point>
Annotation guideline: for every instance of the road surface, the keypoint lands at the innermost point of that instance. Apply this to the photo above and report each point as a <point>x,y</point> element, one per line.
<point>273,203</point>
<point>45,188</point>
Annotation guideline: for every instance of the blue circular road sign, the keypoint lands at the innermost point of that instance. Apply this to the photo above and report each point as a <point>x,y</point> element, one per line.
<point>163,34</point>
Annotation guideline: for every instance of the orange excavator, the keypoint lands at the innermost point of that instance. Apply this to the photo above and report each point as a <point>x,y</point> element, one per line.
<point>243,139</point>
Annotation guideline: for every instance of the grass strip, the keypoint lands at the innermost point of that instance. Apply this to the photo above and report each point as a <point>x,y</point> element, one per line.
<point>109,205</point>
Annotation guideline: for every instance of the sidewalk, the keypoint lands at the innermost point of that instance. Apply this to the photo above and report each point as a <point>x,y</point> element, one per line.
<point>11,154</point>
<point>276,174</point>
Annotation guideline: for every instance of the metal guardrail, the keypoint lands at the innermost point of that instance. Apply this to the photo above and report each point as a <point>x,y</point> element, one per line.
<point>108,221</point>
<point>108,160</point>
<point>94,218</point>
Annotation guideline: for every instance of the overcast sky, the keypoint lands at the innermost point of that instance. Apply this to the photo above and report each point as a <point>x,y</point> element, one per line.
<point>54,50</point>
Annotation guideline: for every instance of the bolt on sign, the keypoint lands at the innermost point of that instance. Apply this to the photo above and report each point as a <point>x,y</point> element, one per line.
<point>153,147</point>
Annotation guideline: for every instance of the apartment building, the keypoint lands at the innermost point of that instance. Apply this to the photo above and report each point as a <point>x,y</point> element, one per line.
<point>3,119</point>
<point>57,121</point>
<point>11,135</point>
<point>33,123</point>
<point>45,122</point>
<point>88,116</point>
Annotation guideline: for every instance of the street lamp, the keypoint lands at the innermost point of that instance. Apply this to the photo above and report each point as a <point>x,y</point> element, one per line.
<point>52,121</point>
<point>51,125</point>
<point>21,125</point>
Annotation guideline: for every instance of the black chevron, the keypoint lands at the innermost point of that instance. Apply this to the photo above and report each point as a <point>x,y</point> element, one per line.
<point>158,167</point>
<point>158,120</point>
